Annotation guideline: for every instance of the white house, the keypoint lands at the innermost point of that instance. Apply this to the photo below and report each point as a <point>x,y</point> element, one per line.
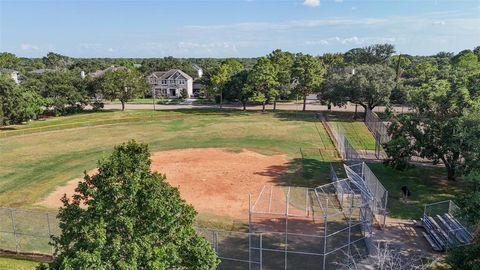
<point>171,84</point>
<point>12,73</point>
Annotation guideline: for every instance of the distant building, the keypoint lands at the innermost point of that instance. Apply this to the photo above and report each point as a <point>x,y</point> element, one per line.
<point>171,84</point>
<point>346,70</point>
<point>41,71</point>
<point>14,75</point>
<point>100,73</point>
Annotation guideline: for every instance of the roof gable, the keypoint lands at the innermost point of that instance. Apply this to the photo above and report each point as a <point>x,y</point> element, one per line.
<point>172,74</point>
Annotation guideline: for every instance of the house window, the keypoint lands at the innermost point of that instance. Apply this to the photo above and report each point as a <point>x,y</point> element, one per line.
<point>164,82</point>
<point>172,81</point>
<point>182,81</point>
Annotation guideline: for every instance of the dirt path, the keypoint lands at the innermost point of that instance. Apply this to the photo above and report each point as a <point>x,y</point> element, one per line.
<point>213,180</point>
<point>404,235</point>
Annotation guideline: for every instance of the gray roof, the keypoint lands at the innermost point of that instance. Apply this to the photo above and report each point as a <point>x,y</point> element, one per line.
<point>100,73</point>
<point>172,74</point>
<point>41,70</point>
<point>7,70</point>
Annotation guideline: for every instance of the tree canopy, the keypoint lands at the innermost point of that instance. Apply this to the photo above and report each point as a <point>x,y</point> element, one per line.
<point>308,75</point>
<point>128,217</point>
<point>262,81</point>
<point>122,84</point>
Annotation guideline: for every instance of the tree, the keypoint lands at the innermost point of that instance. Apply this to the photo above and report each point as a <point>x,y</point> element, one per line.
<point>237,88</point>
<point>62,91</point>
<point>122,84</point>
<point>467,60</point>
<point>262,81</point>
<point>443,127</point>
<point>133,219</point>
<point>378,53</point>
<point>355,56</point>
<point>308,75</point>
<point>373,54</point>
<point>57,61</point>
<point>8,60</point>
<point>17,103</point>
<point>369,86</point>
<point>332,60</point>
<point>223,74</point>
<point>282,61</point>
<point>424,72</point>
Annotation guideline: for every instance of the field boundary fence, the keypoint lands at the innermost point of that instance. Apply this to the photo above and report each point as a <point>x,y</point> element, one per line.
<point>28,232</point>
<point>345,149</point>
<point>379,130</point>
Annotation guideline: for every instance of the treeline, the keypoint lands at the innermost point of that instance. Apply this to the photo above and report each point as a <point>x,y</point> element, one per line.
<point>368,77</point>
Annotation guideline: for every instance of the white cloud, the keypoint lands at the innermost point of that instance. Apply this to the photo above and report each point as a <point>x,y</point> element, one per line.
<point>90,46</point>
<point>262,26</point>
<point>317,42</point>
<point>311,3</point>
<point>209,47</point>
<point>29,47</point>
<point>353,40</point>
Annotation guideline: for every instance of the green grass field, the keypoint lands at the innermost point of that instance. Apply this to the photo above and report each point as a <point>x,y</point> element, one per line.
<point>17,264</point>
<point>42,155</point>
<point>35,163</point>
<point>355,130</point>
<point>58,149</point>
<point>427,184</point>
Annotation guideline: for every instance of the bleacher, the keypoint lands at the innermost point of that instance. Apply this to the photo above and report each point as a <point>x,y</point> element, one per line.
<point>444,231</point>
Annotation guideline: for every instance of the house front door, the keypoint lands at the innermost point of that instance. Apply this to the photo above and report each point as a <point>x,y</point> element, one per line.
<point>173,92</point>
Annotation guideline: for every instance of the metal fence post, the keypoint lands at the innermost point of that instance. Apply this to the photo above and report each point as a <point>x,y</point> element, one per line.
<point>325,235</point>
<point>49,230</point>
<point>261,253</point>
<point>14,231</point>
<point>249,231</point>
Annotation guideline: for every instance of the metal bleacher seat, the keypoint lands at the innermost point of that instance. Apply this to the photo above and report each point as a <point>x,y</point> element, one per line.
<point>432,236</point>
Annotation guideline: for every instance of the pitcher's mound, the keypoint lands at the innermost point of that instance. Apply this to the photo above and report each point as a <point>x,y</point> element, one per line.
<point>213,180</point>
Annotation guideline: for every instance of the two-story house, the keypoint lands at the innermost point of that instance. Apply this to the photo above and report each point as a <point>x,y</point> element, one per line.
<point>171,84</point>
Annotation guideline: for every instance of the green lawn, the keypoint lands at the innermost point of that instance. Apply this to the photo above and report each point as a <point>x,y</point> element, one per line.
<point>17,264</point>
<point>34,164</point>
<point>355,129</point>
<point>427,185</point>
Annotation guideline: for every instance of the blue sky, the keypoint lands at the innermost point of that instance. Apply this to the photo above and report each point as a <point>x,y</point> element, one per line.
<point>234,28</point>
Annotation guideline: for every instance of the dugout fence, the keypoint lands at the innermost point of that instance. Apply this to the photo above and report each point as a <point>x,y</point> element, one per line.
<point>312,228</point>
<point>379,130</point>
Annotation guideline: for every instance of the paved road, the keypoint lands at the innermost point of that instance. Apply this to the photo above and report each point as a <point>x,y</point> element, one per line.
<point>280,106</point>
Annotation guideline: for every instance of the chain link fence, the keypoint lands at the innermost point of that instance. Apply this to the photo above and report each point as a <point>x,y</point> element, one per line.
<point>379,130</point>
